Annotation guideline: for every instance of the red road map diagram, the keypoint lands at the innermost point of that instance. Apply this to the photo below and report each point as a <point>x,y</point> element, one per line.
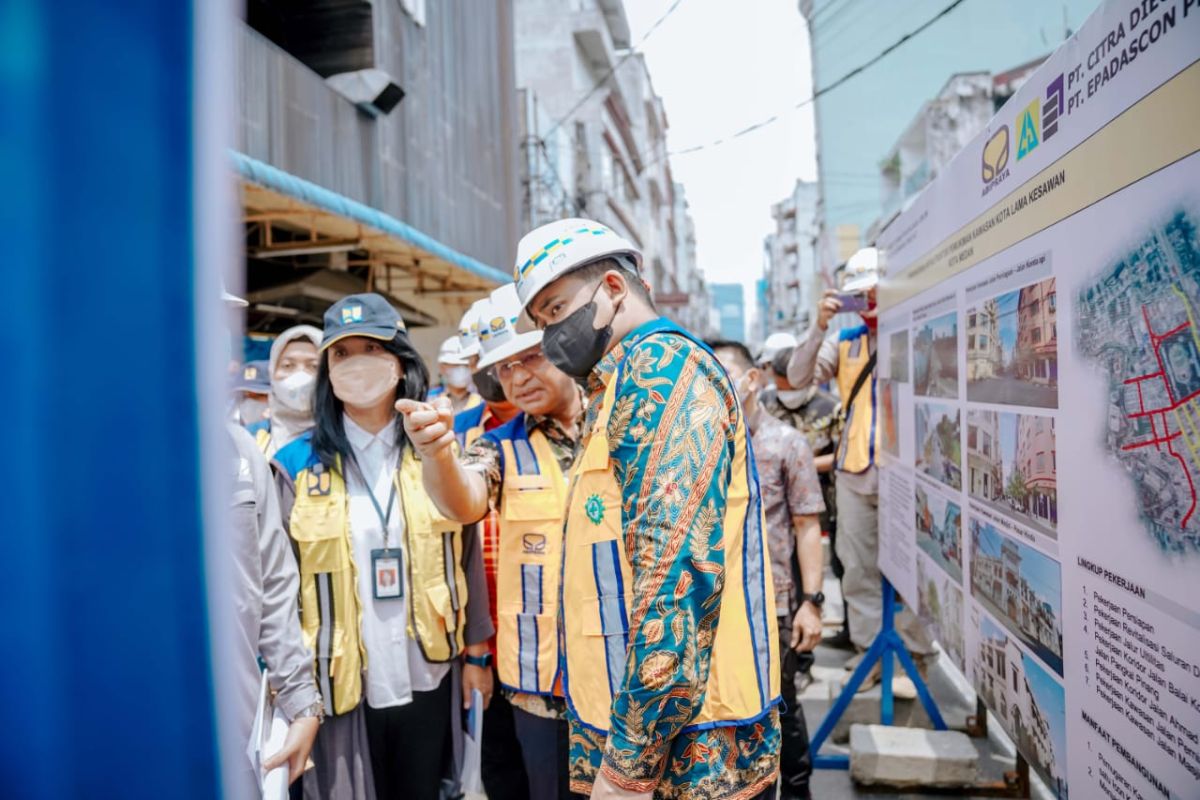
<point>1139,321</point>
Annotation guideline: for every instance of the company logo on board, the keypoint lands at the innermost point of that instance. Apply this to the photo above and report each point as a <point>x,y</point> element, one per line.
<point>994,166</point>
<point>1052,109</point>
<point>1029,129</point>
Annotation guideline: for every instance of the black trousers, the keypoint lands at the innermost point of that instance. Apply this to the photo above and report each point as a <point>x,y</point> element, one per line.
<point>504,775</point>
<point>795,763</point>
<point>410,746</point>
<point>544,748</point>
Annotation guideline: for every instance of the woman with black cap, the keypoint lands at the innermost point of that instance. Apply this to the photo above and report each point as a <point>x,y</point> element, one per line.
<point>386,580</point>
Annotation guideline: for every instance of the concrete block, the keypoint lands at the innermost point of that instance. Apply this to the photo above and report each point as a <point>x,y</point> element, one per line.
<point>911,757</point>
<point>864,710</point>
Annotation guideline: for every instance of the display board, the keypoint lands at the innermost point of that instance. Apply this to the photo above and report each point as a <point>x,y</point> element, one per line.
<point>1039,392</point>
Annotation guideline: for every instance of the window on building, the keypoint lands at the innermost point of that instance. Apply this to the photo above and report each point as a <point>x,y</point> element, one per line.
<point>1034,305</point>
<point>302,28</point>
<point>971,321</point>
<point>1035,335</point>
<point>983,341</point>
<point>1052,300</point>
<point>972,436</point>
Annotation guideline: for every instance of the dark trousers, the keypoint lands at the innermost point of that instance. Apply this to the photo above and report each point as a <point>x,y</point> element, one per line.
<point>503,770</point>
<point>795,763</point>
<point>544,745</point>
<point>410,746</point>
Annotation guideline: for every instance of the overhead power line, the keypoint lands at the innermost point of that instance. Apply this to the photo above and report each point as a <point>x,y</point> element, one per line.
<point>612,70</point>
<point>861,68</point>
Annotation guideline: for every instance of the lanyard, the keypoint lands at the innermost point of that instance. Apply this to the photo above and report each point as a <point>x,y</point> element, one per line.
<point>384,517</point>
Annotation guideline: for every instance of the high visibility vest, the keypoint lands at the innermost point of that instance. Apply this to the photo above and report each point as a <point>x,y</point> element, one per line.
<point>532,504</point>
<point>470,423</point>
<point>262,434</point>
<point>330,608</point>
<point>597,582</point>
<point>861,432</point>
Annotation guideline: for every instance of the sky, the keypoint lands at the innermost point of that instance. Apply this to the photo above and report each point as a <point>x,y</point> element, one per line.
<point>1006,308</point>
<point>718,72</point>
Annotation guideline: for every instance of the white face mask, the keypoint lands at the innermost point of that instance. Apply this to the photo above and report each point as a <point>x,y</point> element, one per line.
<point>457,377</point>
<point>792,398</point>
<point>251,410</point>
<point>295,391</point>
<point>362,381</point>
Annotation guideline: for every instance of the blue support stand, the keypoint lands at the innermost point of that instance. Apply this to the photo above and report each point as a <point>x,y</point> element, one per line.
<point>887,643</point>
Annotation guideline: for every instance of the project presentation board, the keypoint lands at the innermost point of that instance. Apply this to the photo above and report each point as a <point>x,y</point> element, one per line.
<point>1039,402</point>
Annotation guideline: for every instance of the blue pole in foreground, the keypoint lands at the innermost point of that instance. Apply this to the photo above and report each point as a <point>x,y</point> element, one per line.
<point>886,645</point>
<point>107,690</point>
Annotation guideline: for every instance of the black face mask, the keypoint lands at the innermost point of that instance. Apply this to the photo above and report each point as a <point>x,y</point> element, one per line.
<point>488,386</point>
<point>574,345</point>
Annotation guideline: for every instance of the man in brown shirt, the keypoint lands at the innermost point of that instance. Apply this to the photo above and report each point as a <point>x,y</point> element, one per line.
<point>792,503</point>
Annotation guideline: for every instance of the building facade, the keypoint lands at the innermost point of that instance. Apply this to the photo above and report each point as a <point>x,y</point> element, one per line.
<point>984,465</point>
<point>1037,460</point>
<point>793,280</point>
<point>858,123</point>
<point>729,303</point>
<point>593,143</point>
<point>376,150</point>
<point>985,354</point>
<point>1036,357</point>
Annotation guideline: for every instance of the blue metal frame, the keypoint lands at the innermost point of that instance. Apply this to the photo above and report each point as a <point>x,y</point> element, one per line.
<point>887,643</point>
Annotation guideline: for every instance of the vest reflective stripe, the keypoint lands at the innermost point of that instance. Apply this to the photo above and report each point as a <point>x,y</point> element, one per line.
<point>860,436</point>
<point>529,562</point>
<point>597,581</point>
<point>611,604</point>
<point>527,629</point>
<point>330,608</point>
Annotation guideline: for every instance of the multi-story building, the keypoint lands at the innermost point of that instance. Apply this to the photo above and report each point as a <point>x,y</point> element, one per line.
<point>1036,356</point>
<point>793,282</point>
<point>376,149</point>
<point>985,354</point>
<point>729,302</point>
<point>1037,460</point>
<point>984,465</point>
<point>858,122</point>
<point>593,136</point>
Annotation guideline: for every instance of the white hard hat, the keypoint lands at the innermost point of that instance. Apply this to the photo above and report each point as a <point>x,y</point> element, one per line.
<point>862,271</point>
<point>774,343</point>
<point>468,329</point>
<point>553,250</point>
<point>451,353</point>
<point>498,335</point>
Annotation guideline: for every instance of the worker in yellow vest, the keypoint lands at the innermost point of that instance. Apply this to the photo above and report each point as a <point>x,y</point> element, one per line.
<point>670,662</point>
<point>501,762</point>
<point>386,581</point>
<point>293,370</point>
<point>849,360</point>
<point>495,410</point>
<point>454,370</point>
<point>518,469</point>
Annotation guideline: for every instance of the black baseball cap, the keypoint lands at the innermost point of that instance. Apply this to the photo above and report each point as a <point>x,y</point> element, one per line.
<point>367,314</point>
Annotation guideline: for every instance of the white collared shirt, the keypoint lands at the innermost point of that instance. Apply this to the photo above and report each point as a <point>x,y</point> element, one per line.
<point>395,666</point>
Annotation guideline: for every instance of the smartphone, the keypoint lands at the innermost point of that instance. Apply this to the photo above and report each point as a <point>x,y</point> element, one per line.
<point>852,302</point>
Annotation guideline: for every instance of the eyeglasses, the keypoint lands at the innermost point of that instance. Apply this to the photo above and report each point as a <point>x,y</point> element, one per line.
<point>527,362</point>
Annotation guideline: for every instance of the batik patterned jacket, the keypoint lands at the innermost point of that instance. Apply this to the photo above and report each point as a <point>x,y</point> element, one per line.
<point>673,406</point>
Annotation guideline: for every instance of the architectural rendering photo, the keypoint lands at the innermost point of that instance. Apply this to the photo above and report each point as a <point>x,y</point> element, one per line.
<point>1012,348</point>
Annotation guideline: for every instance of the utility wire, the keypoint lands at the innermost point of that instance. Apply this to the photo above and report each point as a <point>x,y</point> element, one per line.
<point>612,70</point>
<point>818,93</point>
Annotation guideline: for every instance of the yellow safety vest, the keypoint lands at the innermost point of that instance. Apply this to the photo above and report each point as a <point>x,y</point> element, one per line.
<point>262,437</point>
<point>861,435</point>
<point>470,424</point>
<point>531,533</point>
<point>597,582</point>
<point>330,608</point>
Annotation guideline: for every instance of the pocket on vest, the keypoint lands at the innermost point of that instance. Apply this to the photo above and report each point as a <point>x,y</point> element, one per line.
<point>531,505</point>
<point>438,596</point>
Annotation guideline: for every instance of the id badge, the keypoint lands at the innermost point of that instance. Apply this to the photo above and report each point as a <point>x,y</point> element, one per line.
<point>387,576</point>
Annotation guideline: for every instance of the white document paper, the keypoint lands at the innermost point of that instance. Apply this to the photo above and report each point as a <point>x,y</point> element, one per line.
<point>471,777</point>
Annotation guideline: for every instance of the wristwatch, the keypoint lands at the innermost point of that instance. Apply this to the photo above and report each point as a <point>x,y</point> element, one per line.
<point>484,660</point>
<point>816,598</point>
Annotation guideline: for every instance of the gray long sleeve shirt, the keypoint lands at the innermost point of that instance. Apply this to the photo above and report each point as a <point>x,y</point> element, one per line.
<point>267,584</point>
<point>815,360</point>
